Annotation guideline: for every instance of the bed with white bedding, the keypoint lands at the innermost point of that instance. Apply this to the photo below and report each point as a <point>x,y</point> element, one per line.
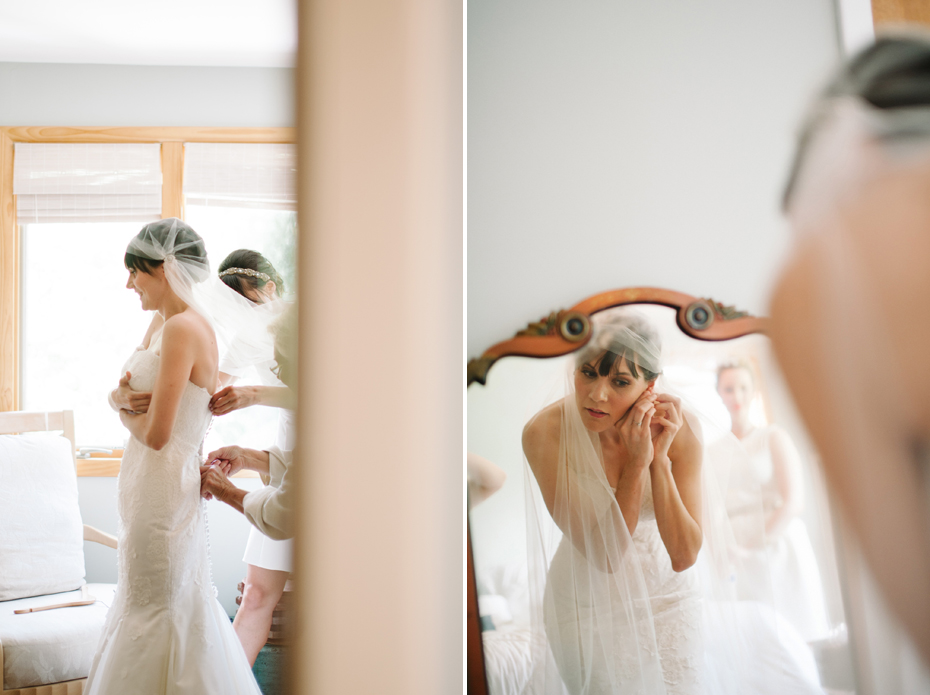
<point>503,601</point>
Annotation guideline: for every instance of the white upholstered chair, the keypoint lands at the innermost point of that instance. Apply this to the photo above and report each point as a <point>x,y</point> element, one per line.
<point>42,537</point>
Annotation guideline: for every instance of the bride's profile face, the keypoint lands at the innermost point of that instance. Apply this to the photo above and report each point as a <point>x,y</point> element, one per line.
<point>149,287</point>
<point>603,399</point>
<point>736,390</point>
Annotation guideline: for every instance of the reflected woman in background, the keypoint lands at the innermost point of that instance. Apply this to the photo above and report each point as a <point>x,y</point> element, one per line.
<point>269,562</point>
<point>776,466</point>
<point>625,604</point>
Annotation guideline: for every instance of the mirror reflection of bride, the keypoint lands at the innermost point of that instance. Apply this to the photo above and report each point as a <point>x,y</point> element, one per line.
<point>166,631</point>
<point>633,585</point>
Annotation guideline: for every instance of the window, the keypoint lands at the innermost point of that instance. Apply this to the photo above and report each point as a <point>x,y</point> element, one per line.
<point>79,323</point>
<point>241,196</point>
<point>75,209</point>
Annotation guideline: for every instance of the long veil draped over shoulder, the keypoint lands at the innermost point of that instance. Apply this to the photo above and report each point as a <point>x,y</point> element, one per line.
<point>608,613</point>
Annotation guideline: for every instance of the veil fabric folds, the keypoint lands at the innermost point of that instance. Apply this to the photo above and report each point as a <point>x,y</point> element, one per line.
<point>608,612</point>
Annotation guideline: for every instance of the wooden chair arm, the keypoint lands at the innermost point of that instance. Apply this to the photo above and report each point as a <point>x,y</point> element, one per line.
<point>98,536</point>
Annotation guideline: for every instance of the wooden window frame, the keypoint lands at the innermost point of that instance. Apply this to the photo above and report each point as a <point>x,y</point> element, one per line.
<point>172,140</point>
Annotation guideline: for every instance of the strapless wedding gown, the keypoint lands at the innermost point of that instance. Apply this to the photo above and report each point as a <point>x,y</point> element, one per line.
<point>777,661</point>
<point>675,601</point>
<point>166,633</point>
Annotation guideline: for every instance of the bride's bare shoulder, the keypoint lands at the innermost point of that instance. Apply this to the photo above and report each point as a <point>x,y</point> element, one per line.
<point>189,326</point>
<point>543,429</point>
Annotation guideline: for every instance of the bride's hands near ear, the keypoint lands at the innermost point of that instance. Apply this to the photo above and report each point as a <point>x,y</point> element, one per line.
<point>126,398</point>
<point>634,429</point>
<point>666,423</point>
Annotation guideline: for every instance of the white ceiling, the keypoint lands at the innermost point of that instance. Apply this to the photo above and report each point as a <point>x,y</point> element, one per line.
<point>257,33</point>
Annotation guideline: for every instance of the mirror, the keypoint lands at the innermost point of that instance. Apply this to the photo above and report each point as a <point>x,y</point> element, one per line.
<point>717,361</point>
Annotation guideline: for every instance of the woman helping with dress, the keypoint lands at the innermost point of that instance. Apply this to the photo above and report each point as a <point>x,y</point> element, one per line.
<point>787,556</point>
<point>268,561</point>
<point>166,631</point>
<point>631,587</point>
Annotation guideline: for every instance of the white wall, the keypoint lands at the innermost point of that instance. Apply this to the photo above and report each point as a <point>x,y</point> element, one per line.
<point>615,144</point>
<point>132,95</point>
<point>122,95</point>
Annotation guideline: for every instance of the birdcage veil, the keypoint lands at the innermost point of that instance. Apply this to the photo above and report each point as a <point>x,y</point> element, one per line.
<point>242,327</point>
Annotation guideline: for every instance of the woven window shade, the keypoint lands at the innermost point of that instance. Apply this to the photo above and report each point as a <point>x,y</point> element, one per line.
<point>241,175</point>
<point>87,182</point>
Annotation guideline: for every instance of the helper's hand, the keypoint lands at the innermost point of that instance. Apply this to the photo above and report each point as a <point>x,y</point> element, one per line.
<point>230,459</point>
<point>213,482</point>
<point>232,398</point>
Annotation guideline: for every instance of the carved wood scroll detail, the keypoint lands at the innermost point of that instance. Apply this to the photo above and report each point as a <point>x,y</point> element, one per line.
<point>727,313</point>
<point>544,326</point>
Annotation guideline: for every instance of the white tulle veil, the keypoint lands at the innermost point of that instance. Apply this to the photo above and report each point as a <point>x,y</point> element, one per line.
<point>242,327</point>
<point>594,622</point>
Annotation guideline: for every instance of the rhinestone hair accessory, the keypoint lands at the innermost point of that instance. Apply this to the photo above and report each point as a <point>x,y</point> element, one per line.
<point>246,271</point>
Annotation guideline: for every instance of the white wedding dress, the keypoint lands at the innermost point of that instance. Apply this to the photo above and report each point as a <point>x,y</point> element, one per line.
<point>788,557</point>
<point>777,661</point>
<point>166,633</point>
<point>676,606</point>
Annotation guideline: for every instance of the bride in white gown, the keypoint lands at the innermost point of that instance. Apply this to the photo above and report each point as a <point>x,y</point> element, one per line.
<point>632,586</point>
<point>166,632</point>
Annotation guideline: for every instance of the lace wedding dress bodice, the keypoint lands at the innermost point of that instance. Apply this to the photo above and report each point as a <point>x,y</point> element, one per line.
<point>675,604</point>
<point>661,579</point>
<point>166,632</point>
<point>156,488</point>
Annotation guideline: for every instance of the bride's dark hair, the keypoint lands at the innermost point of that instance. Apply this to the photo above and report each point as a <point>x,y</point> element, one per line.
<point>250,260</point>
<point>189,244</point>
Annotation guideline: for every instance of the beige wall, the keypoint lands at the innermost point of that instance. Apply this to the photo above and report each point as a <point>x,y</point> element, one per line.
<point>380,450</point>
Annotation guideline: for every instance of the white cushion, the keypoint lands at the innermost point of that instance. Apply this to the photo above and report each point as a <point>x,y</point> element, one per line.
<point>51,646</point>
<point>496,607</point>
<point>510,581</point>
<point>42,543</point>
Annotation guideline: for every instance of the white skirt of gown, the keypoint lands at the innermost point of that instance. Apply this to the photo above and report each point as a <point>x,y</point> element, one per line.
<point>166,632</point>
<point>676,606</point>
<point>778,660</point>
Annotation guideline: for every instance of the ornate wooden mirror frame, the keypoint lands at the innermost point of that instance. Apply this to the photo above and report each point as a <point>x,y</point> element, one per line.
<point>563,332</point>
